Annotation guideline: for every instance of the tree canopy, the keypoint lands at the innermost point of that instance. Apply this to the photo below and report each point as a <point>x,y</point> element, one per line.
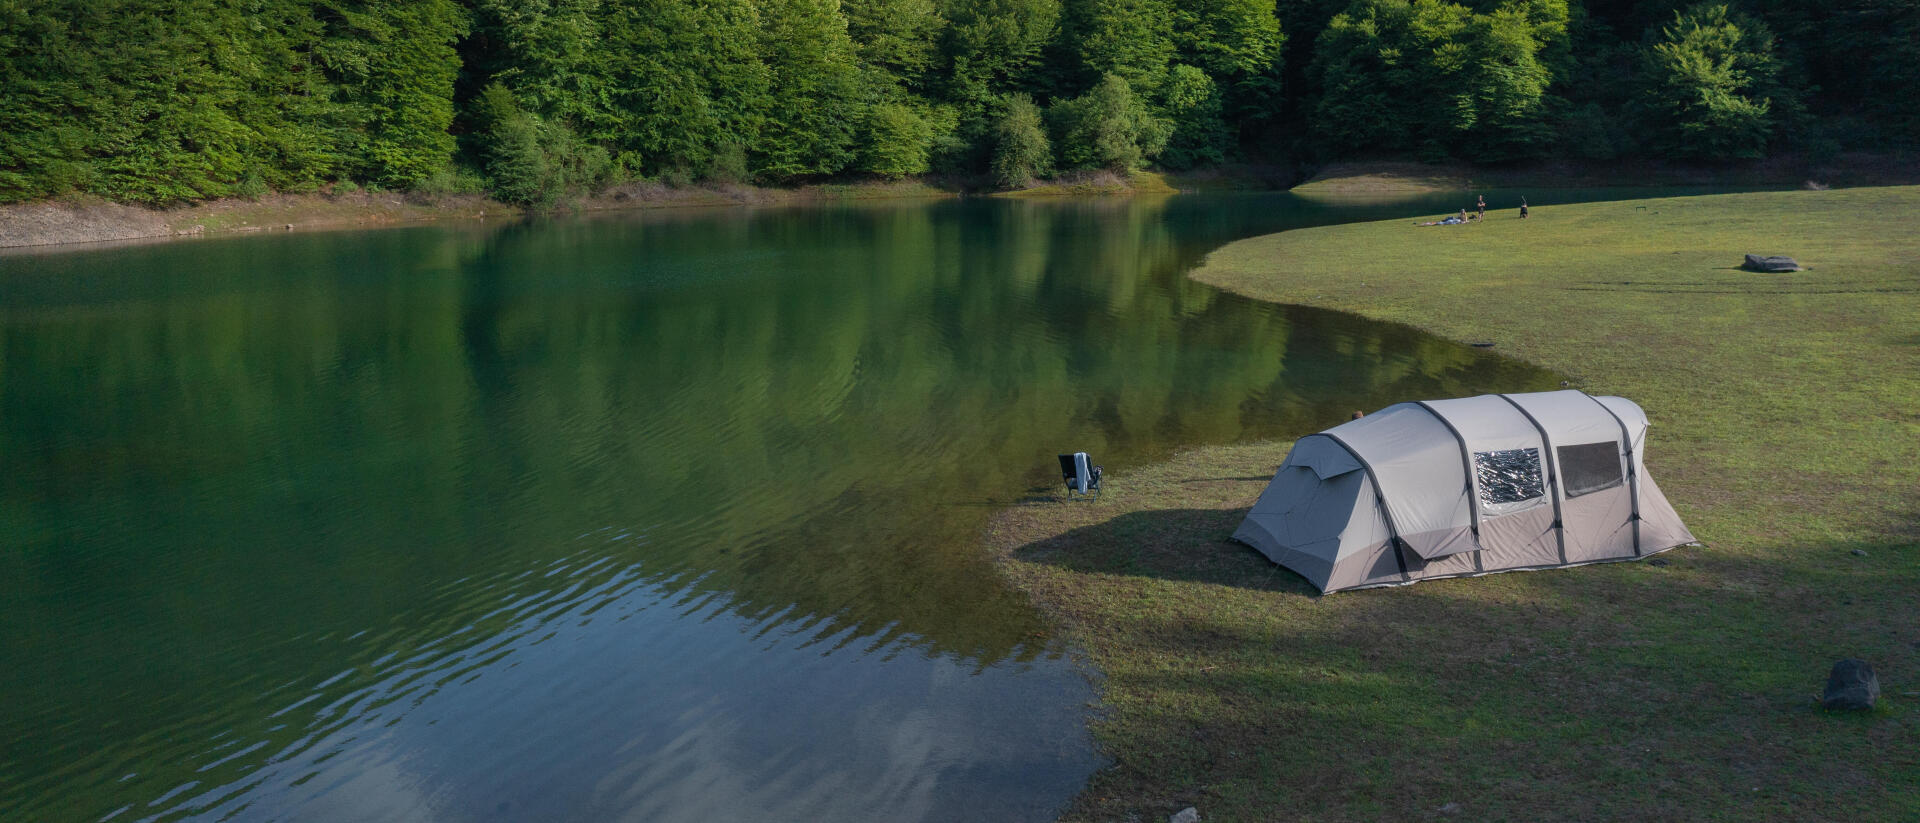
<point>162,102</point>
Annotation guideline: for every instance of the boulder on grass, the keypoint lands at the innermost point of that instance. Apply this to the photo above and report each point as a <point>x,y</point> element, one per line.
<point>1851,685</point>
<point>1757,262</point>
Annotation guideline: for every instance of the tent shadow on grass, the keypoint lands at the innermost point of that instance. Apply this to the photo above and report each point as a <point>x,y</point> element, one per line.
<point>1171,544</point>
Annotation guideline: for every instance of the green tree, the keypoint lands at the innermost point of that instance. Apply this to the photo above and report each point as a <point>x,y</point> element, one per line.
<point>1234,40</point>
<point>1864,56</point>
<point>394,66</point>
<point>1108,127</point>
<point>1191,102</point>
<point>689,77</point>
<point>161,102</point>
<point>1706,76</point>
<point>898,139</point>
<point>1020,148</point>
<point>1132,39</point>
<point>552,55</point>
<point>1238,44</point>
<point>991,46</point>
<point>815,87</point>
<point>1436,77</point>
<point>896,40</point>
<point>532,162</point>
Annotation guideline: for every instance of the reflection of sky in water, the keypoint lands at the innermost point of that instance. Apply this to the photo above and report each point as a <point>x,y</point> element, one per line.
<point>659,706</point>
<point>291,525</point>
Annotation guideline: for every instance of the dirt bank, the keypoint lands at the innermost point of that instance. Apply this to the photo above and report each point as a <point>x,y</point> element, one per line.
<point>90,219</point>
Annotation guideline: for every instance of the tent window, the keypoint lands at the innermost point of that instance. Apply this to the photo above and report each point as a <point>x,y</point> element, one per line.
<point>1508,476</point>
<point>1590,467</point>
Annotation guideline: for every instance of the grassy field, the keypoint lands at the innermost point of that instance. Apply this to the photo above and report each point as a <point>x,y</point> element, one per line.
<point>1786,430</point>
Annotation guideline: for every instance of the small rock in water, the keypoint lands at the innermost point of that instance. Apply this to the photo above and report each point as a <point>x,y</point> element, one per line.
<point>1859,553</point>
<point>1186,815</point>
<point>1851,685</point>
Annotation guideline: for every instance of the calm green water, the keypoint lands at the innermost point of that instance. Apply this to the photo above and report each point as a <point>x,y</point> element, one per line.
<point>662,517</point>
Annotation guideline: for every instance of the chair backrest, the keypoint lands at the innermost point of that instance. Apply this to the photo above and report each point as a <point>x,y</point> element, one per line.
<point>1076,470</point>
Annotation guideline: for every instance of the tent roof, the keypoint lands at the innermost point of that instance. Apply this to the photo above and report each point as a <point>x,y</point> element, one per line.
<point>1567,416</point>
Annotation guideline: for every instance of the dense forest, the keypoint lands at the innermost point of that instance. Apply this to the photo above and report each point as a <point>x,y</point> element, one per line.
<point>163,101</point>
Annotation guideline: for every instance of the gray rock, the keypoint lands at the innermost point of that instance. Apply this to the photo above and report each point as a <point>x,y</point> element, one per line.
<point>1859,553</point>
<point>1186,815</point>
<point>1851,685</point>
<point>1757,262</point>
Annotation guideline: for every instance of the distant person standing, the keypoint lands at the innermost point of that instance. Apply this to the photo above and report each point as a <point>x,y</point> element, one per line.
<point>1523,208</point>
<point>1482,206</point>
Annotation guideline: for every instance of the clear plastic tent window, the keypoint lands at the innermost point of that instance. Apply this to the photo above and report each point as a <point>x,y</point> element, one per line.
<point>1590,467</point>
<point>1508,476</point>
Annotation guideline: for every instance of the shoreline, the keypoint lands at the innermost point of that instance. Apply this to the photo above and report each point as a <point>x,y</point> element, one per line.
<point>76,221</point>
<point>1228,684</point>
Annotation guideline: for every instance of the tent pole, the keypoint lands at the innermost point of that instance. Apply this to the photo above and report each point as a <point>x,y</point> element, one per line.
<point>1633,473</point>
<point>1379,499</point>
<point>1473,489</point>
<point>1553,474</point>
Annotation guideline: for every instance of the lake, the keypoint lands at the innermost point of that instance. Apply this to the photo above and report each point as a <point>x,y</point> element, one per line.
<point>663,516</point>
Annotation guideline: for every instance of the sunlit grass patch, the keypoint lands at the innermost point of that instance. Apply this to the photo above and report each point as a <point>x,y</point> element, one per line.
<point>1785,431</point>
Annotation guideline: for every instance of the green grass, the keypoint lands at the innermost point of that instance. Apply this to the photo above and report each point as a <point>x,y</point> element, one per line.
<point>1786,431</point>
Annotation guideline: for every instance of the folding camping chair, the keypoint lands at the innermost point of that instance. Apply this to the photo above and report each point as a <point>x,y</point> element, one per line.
<point>1079,475</point>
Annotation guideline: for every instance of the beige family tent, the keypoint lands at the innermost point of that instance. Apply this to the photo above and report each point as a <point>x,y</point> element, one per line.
<point>1444,488</point>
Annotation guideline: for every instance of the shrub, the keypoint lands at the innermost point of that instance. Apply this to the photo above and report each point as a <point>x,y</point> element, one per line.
<point>1020,149</point>
<point>450,180</point>
<point>727,164</point>
<point>251,187</point>
<point>1108,127</point>
<point>897,141</point>
<point>536,163</point>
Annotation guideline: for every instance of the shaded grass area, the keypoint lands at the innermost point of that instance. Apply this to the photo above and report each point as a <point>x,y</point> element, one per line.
<point>1786,431</point>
